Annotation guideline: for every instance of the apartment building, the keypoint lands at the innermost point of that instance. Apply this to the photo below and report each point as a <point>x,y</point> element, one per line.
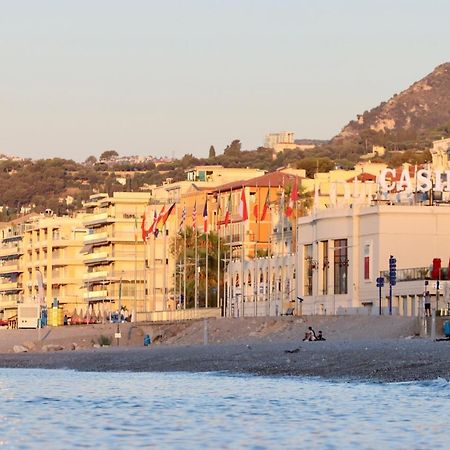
<point>114,252</point>
<point>40,260</point>
<point>51,251</point>
<point>11,252</point>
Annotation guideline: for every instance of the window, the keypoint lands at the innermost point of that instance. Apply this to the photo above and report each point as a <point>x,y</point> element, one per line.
<point>367,262</point>
<point>340,266</point>
<point>308,270</point>
<point>325,267</point>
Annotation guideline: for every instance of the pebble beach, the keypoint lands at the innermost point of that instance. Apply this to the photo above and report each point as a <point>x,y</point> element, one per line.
<point>269,347</point>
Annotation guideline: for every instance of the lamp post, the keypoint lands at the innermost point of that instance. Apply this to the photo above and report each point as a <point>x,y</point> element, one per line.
<point>119,315</point>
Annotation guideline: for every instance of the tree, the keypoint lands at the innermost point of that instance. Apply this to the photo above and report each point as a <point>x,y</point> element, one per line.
<point>212,152</point>
<point>190,269</point>
<point>233,149</point>
<point>90,160</point>
<point>108,155</point>
<point>313,165</point>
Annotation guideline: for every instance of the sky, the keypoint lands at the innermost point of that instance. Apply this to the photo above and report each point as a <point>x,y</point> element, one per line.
<point>167,77</point>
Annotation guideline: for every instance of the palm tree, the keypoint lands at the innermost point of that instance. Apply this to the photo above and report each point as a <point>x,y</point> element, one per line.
<point>178,244</point>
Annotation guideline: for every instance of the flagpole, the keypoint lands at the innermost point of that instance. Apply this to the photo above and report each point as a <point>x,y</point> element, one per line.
<point>196,264</point>
<point>269,250</point>
<point>134,316</point>
<point>177,277</point>
<point>296,266</point>
<point>165,268</point>
<point>282,248</point>
<point>256,262</point>
<point>206,262</point>
<point>230,206</point>
<point>184,267</point>
<point>154,274</point>
<point>218,251</point>
<point>243,283</point>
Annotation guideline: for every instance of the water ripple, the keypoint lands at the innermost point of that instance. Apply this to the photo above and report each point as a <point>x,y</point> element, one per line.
<point>65,409</point>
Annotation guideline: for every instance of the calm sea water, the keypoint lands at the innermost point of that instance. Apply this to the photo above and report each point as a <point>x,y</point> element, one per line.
<point>65,409</point>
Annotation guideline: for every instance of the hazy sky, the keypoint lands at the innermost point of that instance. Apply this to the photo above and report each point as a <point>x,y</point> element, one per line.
<point>172,77</point>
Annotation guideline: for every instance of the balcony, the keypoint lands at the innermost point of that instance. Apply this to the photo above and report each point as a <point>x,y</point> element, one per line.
<point>96,238</point>
<point>96,258</point>
<point>97,219</point>
<point>11,250</point>
<point>96,295</point>
<point>91,277</point>
<point>10,267</point>
<point>9,286</point>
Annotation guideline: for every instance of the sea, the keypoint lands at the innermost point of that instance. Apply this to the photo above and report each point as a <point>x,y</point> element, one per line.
<point>62,409</point>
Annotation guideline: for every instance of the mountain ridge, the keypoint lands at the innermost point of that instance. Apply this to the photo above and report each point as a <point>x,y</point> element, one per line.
<point>423,106</point>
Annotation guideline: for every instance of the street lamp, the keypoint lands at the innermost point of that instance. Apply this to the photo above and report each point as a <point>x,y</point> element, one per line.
<point>119,315</point>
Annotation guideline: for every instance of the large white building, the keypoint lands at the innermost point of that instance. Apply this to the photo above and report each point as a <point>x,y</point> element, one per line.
<point>341,252</point>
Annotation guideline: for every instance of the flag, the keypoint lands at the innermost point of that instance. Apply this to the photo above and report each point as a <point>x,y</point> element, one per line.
<point>256,211</point>
<point>227,218</point>
<point>243,206</point>
<point>292,198</point>
<point>151,230</point>
<point>183,218</point>
<point>158,219</point>
<point>144,227</point>
<point>205,216</point>
<point>167,214</point>
<point>266,206</point>
<point>218,212</point>
<point>194,215</point>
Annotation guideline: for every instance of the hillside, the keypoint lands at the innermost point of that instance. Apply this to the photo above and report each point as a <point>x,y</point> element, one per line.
<point>413,117</point>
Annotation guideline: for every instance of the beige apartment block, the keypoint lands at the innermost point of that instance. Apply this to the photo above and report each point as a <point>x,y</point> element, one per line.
<point>45,245</point>
<point>51,246</point>
<point>160,261</point>
<point>11,267</point>
<point>114,252</point>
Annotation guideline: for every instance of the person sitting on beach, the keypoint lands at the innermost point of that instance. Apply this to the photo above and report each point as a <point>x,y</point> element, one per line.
<point>310,335</point>
<point>320,337</point>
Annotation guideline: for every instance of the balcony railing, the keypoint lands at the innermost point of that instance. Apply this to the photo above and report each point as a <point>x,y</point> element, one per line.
<point>96,295</point>
<point>92,258</point>
<point>11,249</point>
<point>10,286</point>
<point>97,219</point>
<point>96,238</point>
<point>99,275</point>
<point>10,267</point>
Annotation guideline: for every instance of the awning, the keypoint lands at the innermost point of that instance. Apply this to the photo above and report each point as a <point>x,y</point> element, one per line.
<point>87,248</point>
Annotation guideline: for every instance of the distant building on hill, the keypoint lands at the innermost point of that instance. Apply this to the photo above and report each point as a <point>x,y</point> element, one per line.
<point>280,141</point>
<point>284,140</point>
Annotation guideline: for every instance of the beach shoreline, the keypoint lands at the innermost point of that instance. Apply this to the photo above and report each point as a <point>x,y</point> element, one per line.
<point>363,348</point>
<point>393,360</point>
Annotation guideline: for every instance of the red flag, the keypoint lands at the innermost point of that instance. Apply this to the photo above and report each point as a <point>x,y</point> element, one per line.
<point>266,206</point>
<point>256,211</point>
<point>292,198</point>
<point>205,217</point>
<point>243,206</point>
<point>167,214</point>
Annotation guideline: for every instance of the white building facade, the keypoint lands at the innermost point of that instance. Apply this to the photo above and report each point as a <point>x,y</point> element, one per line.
<point>342,251</point>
